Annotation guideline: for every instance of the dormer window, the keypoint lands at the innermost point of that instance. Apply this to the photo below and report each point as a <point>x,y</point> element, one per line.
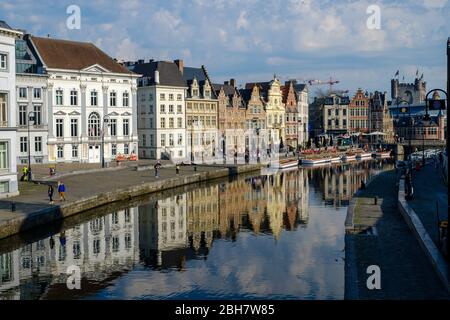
<point>207,93</point>
<point>195,92</point>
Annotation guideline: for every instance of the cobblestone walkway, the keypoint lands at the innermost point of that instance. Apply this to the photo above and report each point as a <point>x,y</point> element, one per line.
<point>406,273</point>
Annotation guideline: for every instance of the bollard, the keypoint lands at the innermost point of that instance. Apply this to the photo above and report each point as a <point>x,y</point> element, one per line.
<point>13,206</point>
<point>375,200</point>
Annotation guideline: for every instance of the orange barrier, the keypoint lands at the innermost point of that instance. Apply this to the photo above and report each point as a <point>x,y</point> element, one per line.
<point>133,157</point>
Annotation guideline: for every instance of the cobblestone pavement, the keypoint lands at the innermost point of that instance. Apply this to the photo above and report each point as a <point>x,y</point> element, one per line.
<point>34,196</point>
<point>406,273</point>
<point>430,198</point>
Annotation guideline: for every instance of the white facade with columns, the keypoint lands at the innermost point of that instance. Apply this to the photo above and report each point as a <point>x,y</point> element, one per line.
<point>78,103</point>
<point>8,125</point>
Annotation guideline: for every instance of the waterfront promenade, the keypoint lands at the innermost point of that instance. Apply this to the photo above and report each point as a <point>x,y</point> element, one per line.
<point>97,187</point>
<point>377,234</point>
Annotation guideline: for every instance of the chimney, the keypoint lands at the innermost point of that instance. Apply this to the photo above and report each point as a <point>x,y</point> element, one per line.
<point>180,64</point>
<point>156,76</point>
<point>226,83</point>
<point>233,83</point>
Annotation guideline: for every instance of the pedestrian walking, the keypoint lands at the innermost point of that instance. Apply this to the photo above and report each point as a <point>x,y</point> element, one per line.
<point>177,168</point>
<point>50,192</point>
<point>157,166</point>
<point>61,191</point>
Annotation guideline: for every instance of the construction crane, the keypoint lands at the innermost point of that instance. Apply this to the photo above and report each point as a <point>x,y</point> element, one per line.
<point>331,82</point>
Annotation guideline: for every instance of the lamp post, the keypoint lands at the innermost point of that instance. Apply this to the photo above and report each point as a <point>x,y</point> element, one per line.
<point>403,110</point>
<point>448,135</point>
<point>105,121</point>
<point>31,117</point>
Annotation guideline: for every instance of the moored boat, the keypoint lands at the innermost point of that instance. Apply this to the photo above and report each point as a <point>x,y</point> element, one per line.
<point>316,161</point>
<point>363,155</point>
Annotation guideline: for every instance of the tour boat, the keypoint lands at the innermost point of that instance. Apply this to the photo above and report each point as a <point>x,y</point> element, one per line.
<point>363,155</point>
<point>349,157</point>
<point>337,159</point>
<point>315,161</point>
<point>287,163</point>
<point>382,154</point>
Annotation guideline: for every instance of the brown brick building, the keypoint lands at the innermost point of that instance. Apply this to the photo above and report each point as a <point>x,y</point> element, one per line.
<point>359,112</point>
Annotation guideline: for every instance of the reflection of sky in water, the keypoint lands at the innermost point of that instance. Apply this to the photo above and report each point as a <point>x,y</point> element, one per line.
<point>306,263</point>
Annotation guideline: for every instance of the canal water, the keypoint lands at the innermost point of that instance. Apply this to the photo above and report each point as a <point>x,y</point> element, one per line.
<point>270,236</point>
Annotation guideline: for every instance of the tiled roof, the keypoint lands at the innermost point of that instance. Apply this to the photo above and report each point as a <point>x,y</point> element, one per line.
<point>169,74</point>
<point>73,55</point>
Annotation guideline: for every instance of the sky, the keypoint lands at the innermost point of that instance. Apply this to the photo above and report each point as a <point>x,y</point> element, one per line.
<point>251,40</point>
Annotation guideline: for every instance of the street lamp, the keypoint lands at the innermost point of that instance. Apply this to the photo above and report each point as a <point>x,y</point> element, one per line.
<point>404,110</point>
<point>31,117</point>
<point>105,121</point>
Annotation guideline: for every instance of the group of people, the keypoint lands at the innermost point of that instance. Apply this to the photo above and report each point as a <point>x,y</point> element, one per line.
<point>61,190</point>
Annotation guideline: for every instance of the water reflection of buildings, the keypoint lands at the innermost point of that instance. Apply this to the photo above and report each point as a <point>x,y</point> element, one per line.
<point>100,247</point>
<point>340,183</point>
<point>162,231</point>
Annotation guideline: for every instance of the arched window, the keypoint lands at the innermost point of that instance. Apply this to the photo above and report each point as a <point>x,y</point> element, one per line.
<point>94,125</point>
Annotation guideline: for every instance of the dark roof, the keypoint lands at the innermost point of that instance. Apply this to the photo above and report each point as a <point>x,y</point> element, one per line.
<point>189,73</point>
<point>169,74</point>
<point>73,55</point>
<point>4,25</point>
<point>300,87</point>
<point>263,86</point>
<point>229,90</point>
<point>246,94</point>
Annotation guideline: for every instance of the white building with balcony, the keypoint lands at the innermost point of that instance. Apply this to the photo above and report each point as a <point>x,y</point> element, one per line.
<point>8,124</point>
<point>90,98</point>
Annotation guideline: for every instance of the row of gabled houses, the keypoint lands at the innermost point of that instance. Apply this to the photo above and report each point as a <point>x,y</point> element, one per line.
<point>183,113</point>
<point>68,101</point>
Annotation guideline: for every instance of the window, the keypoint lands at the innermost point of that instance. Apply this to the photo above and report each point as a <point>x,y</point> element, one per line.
<point>37,93</point>
<point>126,99</point>
<point>74,151</point>
<point>22,93</point>
<point>73,98</point>
<point>3,61</point>
<point>170,96</point>
<point>171,140</point>
<point>115,218</point>
<point>151,109</point>
<point>37,115</point>
<point>94,125</point>
<point>113,149</point>
<point>171,123</point>
<point>163,123</point>
<point>23,144</point>
<point>152,139</point>
<point>4,156</point>
<point>180,139</point>
<point>113,127</point>
<point>93,98</point>
<point>179,122</point>
<point>344,112</point>
<point>38,144</point>
<point>171,108</point>
<point>60,151</point>
<point>115,244</point>
<point>59,97</point>
<point>162,97</point>
<point>163,140</point>
<point>179,109</point>
<point>74,127</point>
<point>22,115</point>
<point>150,97</point>
<point>126,127</point>
<point>162,108</point>
<point>3,110</point>
<point>329,112</point>
<point>76,250</point>
<point>179,97</point>
<point>126,148</point>
<point>59,128</point>
<point>144,140</point>
<point>112,99</point>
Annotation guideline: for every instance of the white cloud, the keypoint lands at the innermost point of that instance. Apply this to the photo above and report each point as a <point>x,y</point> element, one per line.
<point>242,22</point>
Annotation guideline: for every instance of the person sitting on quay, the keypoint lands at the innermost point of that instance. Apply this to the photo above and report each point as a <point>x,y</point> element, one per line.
<point>24,174</point>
